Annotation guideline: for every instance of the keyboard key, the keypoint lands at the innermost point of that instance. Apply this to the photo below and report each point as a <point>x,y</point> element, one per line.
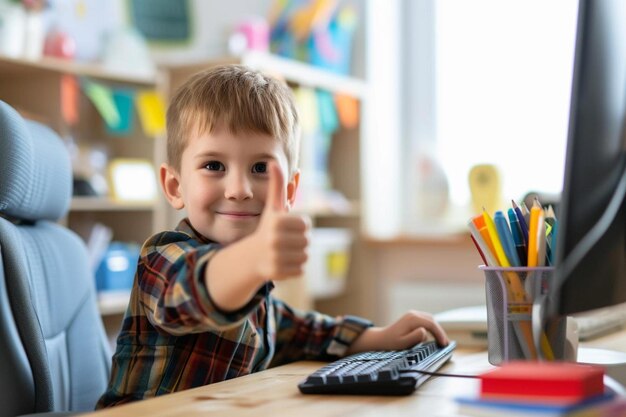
<point>364,377</point>
<point>315,379</point>
<point>334,379</point>
<point>388,374</point>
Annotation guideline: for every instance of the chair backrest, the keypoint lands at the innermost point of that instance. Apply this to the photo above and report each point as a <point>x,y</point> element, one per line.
<point>54,355</point>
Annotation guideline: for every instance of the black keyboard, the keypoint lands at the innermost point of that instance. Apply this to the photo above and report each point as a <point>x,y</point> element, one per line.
<point>378,372</point>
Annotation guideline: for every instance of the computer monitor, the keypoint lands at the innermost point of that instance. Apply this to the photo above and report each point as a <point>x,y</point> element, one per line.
<point>591,240</point>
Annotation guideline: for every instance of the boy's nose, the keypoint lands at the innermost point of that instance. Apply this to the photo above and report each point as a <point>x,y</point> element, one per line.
<point>237,187</point>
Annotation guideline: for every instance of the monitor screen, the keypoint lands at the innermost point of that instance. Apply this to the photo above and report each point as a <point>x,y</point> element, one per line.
<point>591,245</point>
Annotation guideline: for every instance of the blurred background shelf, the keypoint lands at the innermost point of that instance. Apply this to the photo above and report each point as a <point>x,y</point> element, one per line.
<point>12,66</point>
<point>108,204</point>
<point>113,302</point>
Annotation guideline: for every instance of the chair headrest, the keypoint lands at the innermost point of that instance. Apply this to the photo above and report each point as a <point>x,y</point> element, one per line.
<point>35,169</point>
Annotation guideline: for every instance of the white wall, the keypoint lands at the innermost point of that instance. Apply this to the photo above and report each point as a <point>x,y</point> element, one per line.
<point>432,297</point>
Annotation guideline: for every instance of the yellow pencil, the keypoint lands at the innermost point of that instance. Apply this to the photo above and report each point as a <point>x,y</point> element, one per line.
<point>495,240</point>
<point>546,348</point>
<point>532,235</point>
<point>541,239</point>
<point>537,247</point>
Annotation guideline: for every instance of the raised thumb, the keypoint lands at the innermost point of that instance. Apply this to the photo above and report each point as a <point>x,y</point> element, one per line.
<point>276,188</point>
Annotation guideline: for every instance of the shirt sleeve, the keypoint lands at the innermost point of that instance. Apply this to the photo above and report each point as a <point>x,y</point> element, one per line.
<point>173,292</point>
<point>312,335</point>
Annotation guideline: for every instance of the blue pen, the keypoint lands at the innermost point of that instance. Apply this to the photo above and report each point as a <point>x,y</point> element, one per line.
<point>522,222</point>
<point>504,233</point>
<point>555,229</point>
<point>516,231</point>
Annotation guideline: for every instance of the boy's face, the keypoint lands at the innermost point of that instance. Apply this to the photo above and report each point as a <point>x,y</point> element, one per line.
<point>223,182</point>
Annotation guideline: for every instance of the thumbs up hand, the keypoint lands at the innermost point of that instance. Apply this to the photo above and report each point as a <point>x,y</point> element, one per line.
<point>281,237</point>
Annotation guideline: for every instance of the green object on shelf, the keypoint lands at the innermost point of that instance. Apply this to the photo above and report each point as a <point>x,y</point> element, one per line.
<point>162,21</point>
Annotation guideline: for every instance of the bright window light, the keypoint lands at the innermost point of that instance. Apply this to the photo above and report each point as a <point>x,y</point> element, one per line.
<point>503,78</point>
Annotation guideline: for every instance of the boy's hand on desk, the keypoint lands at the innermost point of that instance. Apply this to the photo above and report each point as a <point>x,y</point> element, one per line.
<point>410,329</point>
<point>282,237</point>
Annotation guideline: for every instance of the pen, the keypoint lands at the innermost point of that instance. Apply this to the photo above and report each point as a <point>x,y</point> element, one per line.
<point>480,251</point>
<point>502,227</point>
<point>518,239</point>
<point>522,222</point>
<point>525,212</point>
<point>481,245</point>
<point>555,231</point>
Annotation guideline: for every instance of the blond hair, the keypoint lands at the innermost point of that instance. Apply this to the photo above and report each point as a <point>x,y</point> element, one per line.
<point>237,98</point>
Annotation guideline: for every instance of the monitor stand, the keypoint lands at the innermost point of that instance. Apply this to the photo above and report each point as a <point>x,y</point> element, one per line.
<point>614,362</point>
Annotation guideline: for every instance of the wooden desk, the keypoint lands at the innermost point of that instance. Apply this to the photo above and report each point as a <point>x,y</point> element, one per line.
<point>275,393</point>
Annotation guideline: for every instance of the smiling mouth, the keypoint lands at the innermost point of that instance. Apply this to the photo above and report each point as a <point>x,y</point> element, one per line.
<point>237,215</point>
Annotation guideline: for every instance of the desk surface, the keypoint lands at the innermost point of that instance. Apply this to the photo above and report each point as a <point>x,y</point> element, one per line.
<point>274,393</point>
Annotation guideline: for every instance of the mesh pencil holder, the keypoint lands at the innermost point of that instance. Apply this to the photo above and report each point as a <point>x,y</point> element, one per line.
<point>510,293</point>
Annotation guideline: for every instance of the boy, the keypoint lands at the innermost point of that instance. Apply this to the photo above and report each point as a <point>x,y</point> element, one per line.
<point>201,309</point>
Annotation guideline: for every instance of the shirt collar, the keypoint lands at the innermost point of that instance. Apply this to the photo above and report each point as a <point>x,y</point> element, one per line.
<point>184,226</point>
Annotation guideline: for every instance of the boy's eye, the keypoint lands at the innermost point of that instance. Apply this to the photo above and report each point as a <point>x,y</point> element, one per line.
<point>259,168</point>
<point>215,166</point>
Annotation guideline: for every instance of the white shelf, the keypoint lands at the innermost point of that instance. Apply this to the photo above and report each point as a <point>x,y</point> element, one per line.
<point>65,66</point>
<point>113,302</point>
<point>305,74</point>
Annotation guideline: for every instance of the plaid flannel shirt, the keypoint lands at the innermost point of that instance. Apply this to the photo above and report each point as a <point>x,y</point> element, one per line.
<point>173,337</point>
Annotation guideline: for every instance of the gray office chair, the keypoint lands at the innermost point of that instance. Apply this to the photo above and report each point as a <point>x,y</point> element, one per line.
<point>54,355</point>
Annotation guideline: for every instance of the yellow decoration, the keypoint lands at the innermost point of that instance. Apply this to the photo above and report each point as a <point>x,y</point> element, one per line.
<point>151,108</point>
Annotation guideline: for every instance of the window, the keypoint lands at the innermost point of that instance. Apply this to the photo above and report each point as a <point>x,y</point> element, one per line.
<point>502,76</point>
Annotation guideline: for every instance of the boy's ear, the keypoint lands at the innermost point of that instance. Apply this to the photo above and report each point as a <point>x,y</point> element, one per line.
<point>170,182</point>
<point>292,187</point>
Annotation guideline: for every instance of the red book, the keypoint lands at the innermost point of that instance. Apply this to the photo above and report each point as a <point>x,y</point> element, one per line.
<point>561,382</point>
